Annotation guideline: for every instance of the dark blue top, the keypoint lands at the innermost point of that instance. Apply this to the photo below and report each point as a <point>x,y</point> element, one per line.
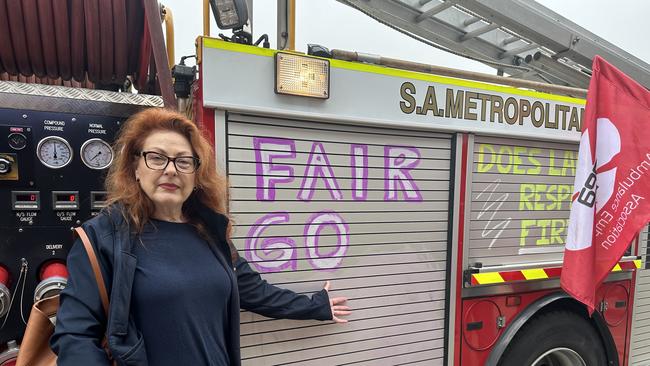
<point>81,324</point>
<point>180,297</point>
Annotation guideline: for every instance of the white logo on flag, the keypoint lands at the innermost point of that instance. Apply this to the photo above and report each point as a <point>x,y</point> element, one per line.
<point>608,146</point>
<point>592,188</point>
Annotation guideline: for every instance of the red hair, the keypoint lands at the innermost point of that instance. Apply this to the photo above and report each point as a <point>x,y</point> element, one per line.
<point>211,186</point>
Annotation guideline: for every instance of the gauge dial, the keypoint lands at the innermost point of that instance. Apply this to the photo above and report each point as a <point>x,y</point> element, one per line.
<point>17,141</point>
<point>54,152</point>
<point>96,154</point>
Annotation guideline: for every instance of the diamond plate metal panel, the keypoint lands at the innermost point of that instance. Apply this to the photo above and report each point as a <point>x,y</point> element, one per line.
<point>11,87</point>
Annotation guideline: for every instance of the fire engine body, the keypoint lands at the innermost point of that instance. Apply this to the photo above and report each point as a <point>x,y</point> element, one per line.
<point>439,206</point>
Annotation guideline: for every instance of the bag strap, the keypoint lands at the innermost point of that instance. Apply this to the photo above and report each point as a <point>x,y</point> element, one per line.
<point>101,285</point>
<point>95,265</point>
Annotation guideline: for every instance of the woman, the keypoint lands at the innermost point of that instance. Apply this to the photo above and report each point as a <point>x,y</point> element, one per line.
<point>176,283</point>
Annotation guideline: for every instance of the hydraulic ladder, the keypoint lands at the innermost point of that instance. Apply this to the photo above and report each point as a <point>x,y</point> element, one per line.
<point>520,38</point>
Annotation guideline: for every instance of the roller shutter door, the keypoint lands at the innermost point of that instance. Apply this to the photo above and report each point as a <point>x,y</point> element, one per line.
<point>640,338</point>
<point>520,200</point>
<point>367,208</point>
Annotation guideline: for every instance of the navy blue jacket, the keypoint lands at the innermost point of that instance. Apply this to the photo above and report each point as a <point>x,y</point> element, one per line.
<point>81,323</point>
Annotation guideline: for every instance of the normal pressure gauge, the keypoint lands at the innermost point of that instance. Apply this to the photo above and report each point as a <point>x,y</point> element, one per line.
<point>54,152</point>
<point>96,154</point>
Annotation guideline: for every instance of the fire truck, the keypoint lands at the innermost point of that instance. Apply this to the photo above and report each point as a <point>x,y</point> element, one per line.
<point>436,200</point>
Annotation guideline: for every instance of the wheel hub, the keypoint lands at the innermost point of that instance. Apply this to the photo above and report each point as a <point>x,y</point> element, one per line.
<point>560,356</point>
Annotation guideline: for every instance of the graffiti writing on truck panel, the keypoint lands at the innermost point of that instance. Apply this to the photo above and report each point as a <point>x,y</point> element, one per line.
<point>491,207</point>
<point>278,166</point>
<point>548,195</point>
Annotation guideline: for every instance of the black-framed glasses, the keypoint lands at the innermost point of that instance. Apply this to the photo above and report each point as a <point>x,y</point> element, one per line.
<point>183,164</point>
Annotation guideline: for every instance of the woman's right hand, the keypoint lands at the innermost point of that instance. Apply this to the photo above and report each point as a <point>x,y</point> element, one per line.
<point>338,307</point>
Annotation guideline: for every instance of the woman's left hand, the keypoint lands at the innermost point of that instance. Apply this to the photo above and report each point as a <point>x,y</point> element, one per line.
<point>338,309</point>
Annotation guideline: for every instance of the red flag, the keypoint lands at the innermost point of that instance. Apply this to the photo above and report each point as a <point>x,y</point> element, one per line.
<point>611,199</point>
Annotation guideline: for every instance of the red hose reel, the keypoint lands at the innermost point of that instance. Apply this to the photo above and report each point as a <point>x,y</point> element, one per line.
<point>75,41</point>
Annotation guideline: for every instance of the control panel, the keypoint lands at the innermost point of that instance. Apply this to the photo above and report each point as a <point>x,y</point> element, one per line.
<point>52,170</point>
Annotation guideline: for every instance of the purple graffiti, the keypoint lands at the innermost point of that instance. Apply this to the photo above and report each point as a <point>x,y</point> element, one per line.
<point>272,253</point>
<point>267,149</point>
<point>278,253</point>
<point>316,223</point>
<point>318,165</point>
<point>359,163</point>
<point>398,160</point>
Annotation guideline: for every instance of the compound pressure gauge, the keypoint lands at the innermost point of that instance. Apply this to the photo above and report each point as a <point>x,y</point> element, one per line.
<point>54,152</point>
<point>96,154</point>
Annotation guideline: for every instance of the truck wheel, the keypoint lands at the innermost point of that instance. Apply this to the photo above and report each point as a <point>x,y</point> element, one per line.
<point>557,338</point>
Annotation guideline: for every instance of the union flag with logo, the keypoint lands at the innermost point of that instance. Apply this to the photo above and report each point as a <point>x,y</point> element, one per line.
<point>611,199</point>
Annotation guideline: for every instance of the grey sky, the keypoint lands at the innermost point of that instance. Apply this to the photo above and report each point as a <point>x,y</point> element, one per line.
<point>333,25</point>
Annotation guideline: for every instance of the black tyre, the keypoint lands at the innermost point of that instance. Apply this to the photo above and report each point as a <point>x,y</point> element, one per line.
<point>557,338</point>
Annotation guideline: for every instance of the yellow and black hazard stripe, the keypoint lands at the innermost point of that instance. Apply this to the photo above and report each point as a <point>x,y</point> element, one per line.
<point>487,278</point>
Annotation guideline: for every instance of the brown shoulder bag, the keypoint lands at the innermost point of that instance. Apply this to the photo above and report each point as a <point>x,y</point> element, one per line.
<point>35,348</point>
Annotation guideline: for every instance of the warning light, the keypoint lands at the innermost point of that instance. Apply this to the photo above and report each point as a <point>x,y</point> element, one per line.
<point>302,76</point>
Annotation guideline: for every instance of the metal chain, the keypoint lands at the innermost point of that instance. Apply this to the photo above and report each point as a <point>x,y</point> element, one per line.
<point>25,266</point>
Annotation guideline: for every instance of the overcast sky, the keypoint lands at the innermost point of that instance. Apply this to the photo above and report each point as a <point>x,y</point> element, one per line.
<point>334,25</point>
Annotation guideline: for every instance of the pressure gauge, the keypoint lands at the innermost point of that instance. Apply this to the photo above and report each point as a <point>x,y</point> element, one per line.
<point>54,152</point>
<point>96,154</point>
<point>17,141</point>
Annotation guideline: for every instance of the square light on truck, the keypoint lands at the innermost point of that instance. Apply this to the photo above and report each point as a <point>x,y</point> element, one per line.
<point>230,14</point>
<point>301,75</point>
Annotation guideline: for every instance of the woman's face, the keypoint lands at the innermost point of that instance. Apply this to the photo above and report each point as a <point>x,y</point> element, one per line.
<point>167,188</point>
